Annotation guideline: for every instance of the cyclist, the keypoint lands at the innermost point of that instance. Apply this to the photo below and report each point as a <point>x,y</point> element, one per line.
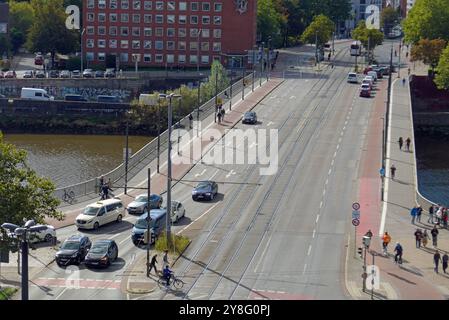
<point>385,241</point>
<point>398,256</point>
<point>167,274</point>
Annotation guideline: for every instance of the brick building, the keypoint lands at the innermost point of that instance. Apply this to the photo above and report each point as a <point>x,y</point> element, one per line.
<point>168,33</point>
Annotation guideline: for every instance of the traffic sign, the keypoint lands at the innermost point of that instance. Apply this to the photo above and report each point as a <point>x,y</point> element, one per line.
<point>356,206</point>
<point>355,222</point>
<point>356,214</point>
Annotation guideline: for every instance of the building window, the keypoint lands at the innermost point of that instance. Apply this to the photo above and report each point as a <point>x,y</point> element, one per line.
<point>159,18</point>
<point>112,4</point>
<point>170,58</point>
<point>182,19</point>
<point>147,57</point>
<point>101,17</point>
<point>217,33</point>
<point>171,6</point>
<point>147,44</point>
<point>216,46</point>
<point>148,5</point>
<point>136,5</point>
<point>124,31</point>
<point>217,20</point>
<point>136,44</point>
<point>217,58</point>
<point>113,31</point>
<point>204,46</point>
<point>182,58</point>
<point>193,59</point>
<point>124,4</point>
<point>181,45</point>
<point>194,6</point>
<point>159,45</point>
<point>182,32</point>
<point>193,33</point>
<point>101,31</point>
<point>101,56</point>
<point>170,32</point>
<point>159,58</point>
<point>101,4</point>
<point>90,43</point>
<point>124,17</point>
<point>136,31</point>
<point>90,4</point>
<point>182,6</point>
<point>159,32</point>
<point>159,5</point>
<point>193,19</point>
<point>206,19</point>
<point>218,7</point>
<point>193,45</point>
<point>123,57</point>
<point>204,59</point>
<point>206,6</point>
<point>113,17</point>
<point>89,56</point>
<point>171,45</point>
<point>171,19</point>
<point>101,43</point>
<point>113,43</point>
<point>124,44</point>
<point>136,18</point>
<point>91,17</point>
<point>90,30</point>
<point>147,32</point>
<point>147,18</point>
<point>205,33</point>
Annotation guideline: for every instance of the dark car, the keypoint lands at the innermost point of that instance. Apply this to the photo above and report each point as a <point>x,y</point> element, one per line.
<point>385,70</point>
<point>74,97</point>
<point>249,117</point>
<point>99,74</point>
<point>102,253</point>
<point>53,74</point>
<point>205,190</point>
<point>73,250</point>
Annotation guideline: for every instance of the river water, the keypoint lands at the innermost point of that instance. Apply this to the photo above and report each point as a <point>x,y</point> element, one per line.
<point>69,159</point>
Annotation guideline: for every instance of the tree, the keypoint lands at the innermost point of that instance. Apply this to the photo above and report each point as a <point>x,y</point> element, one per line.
<point>23,194</point>
<point>370,38</point>
<point>48,32</point>
<point>17,39</point>
<point>389,18</point>
<point>442,76</point>
<point>268,20</point>
<point>428,51</point>
<point>319,31</point>
<point>428,19</point>
<point>5,45</point>
<point>208,89</point>
<point>21,15</point>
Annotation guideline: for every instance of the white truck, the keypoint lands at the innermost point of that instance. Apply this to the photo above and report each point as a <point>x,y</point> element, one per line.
<point>35,94</point>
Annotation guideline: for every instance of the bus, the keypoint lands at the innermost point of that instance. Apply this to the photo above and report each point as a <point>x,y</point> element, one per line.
<point>356,48</point>
<point>157,226</point>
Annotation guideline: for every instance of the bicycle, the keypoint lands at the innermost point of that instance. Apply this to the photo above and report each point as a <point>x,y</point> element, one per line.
<point>174,282</point>
<point>68,196</point>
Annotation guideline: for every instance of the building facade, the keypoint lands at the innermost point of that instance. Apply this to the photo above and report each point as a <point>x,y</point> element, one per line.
<point>358,11</point>
<point>4,18</point>
<point>167,33</point>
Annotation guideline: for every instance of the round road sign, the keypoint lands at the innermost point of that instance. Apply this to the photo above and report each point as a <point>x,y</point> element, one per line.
<point>356,206</point>
<point>355,222</point>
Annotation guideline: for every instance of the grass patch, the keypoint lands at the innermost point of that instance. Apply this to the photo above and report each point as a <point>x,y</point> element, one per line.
<point>6,293</point>
<point>178,243</point>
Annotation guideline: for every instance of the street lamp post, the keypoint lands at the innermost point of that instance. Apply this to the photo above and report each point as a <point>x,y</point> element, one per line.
<point>82,66</point>
<point>198,109</point>
<point>148,221</point>
<point>232,79</point>
<point>216,94</point>
<point>198,51</point>
<point>126,153</point>
<point>158,133</point>
<point>261,64</point>
<point>243,78</point>
<point>268,58</point>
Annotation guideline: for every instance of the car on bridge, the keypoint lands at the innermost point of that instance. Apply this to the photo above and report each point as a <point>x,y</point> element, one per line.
<point>64,74</point>
<point>88,73</point>
<point>53,74</point>
<point>110,73</point>
<point>140,203</point>
<point>102,253</point>
<point>28,74</point>
<point>205,190</point>
<point>73,250</point>
<point>99,74</point>
<point>177,211</point>
<point>76,74</point>
<point>249,117</point>
<point>10,74</point>
<point>40,74</point>
<point>365,90</point>
<point>100,213</point>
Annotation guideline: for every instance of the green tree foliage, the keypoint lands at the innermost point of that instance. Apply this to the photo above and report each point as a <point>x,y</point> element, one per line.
<point>5,45</point>
<point>319,31</point>
<point>21,15</point>
<point>216,69</point>
<point>428,51</point>
<point>389,17</point>
<point>428,19</point>
<point>268,20</point>
<point>48,32</point>
<point>442,76</point>
<point>370,38</point>
<point>23,194</point>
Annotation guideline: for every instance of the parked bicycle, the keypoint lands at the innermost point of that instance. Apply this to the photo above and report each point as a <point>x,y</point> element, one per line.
<point>174,282</point>
<point>69,196</point>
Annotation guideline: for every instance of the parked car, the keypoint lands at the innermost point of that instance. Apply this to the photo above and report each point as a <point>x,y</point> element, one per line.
<point>102,253</point>
<point>40,74</point>
<point>73,250</point>
<point>99,74</point>
<point>74,97</point>
<point>64,74</point>
<point>28,74</point>
<point>365,90</point>
<point>76,74</point>
<point>10,74</point>
<point>100,213</point>
<point>110,73</point>
<point>53,74</point>
<point>249,117</point>
<point>39,60</point>
<point>177,211</point>
<point>88,73</point>
<point>45,233</point>
<point>352,77</point>
<point>140,203</point>
<point>205,190</point>
<point>2,96</point>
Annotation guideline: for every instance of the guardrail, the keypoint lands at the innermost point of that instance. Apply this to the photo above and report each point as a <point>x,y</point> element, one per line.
<point>148,153</point>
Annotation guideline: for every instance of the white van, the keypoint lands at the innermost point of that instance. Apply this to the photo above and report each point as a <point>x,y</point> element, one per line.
<point>100,213</point>
<point>373,74</point>
<point>352,77</point>
<point>35,94</point>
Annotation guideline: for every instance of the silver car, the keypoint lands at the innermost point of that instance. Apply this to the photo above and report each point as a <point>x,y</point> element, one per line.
<point>177,211</point>
<point>140,203</point>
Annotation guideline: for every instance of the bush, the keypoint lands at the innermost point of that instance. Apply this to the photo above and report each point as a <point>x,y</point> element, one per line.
<point>180,243</point>
<point>6,293</point>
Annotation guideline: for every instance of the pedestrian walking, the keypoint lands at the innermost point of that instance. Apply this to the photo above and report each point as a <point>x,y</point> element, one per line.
<point>439,215</point>
<point>444,260</point>
<point>153,265</point>
<point>101,183</point>
<point>408,69</point>
<point>406,55</point>
<point>395,53</point>
<point>434,234</point>
<point>445,217</point>
<point>110,187</point>
<point>436,260</point>
<point>430,220</point>
<point>401,143</point>
<point>407,143</point>
<point>222,113</point>
<point>418,238</point>
<point>329,57</point>
<point>219,116</point>
<point>418,214</point>
<point>385,241</point>
<point>425,238</point>
<point>190,120</point>
<point>398,253</point>
<point>165,258</point>
<point>413,214</point>
<point>392,171</point>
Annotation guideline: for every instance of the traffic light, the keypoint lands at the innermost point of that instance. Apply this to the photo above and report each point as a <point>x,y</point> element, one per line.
<point>360,251</point>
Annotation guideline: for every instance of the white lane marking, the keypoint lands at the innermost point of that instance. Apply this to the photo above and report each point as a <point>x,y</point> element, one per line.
<point>116,235</point>
<point>270,123</point>
<point>327,181</point>
<point>252,145</point>
<point>346,122</point>
<point>339,140</point>
<point>200,174</point>
<point>332,163</point>
<point>232,172</point>
<point>341,134</point>
<point>263,253</point>
<point>310,250</point>
<point>329,172</point>
<point>321,204</point>
<point>214,175</point>
<point>304,270</point>
<point>338,146</point>
<point>292,97</point>
<point>126,239</point>
<point>324,192</point>
<point>335,154</point>
<point>344,128</point>
<point>62,292</point>
<point>313,234</point>
<point>207,211</point>
<point>317,218</point>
